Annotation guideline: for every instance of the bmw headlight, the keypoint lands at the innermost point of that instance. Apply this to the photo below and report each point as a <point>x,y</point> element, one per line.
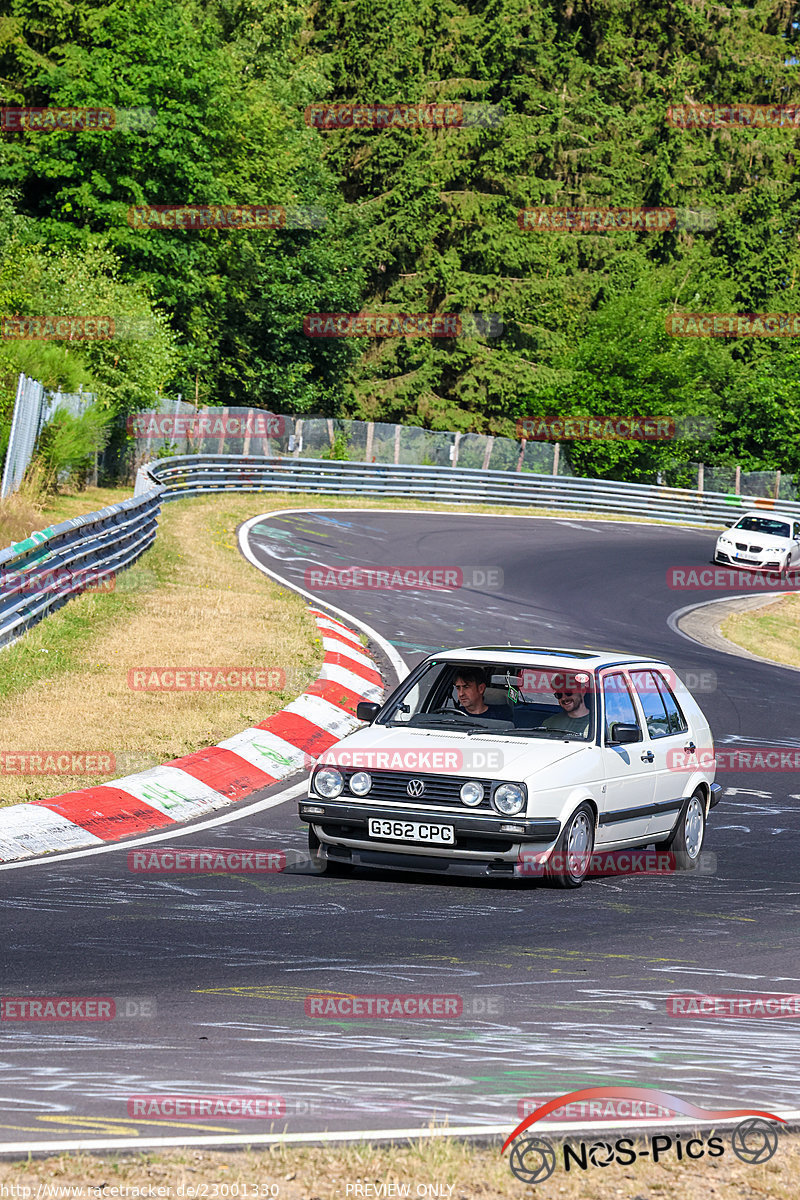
<point>724,541</point>
<point>329,782</point>
<point>509,799</point>
<point>360,783</point>
<point>471,793</point>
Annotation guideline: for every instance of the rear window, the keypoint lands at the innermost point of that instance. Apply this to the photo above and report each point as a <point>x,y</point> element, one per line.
<point>652,702</point>
<point>677,721</point>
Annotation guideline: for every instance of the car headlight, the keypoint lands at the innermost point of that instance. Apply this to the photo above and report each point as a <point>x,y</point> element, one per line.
<point>360,783</point>
<point>724,541</point>
<point>508,799</point>
<point>471,793</point>
<point>329,782</point>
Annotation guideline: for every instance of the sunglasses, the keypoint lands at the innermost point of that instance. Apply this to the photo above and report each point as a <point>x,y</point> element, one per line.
<point>559,695</point>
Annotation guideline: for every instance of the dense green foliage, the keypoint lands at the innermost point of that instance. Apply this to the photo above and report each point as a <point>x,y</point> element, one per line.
<point>418,220</point>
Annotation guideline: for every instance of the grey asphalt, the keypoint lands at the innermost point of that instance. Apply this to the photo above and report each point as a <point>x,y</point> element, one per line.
<point>563,990</point>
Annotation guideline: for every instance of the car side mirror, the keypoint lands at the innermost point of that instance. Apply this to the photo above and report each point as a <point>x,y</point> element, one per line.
<point>367,710</point>
<point>623,735</point>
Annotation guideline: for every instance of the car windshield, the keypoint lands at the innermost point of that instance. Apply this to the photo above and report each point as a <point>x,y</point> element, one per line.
<point>532,700</point>
<point>764,525</point>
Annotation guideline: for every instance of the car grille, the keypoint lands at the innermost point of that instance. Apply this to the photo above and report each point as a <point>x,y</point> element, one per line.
<point>439,789</point>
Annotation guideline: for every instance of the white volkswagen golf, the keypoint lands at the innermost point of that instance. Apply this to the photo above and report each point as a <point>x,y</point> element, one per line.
<point>503,761</point>
<point>765,543</point>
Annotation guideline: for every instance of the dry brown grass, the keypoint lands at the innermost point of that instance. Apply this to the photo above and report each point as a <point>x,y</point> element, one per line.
<point>192,601</point>
<point>320,1173</point>
<point>772,631</point>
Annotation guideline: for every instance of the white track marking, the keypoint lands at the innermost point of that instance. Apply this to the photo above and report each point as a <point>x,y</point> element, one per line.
<point>179,831</point>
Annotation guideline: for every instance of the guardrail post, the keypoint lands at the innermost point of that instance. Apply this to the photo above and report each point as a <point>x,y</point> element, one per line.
<point>556,456</point>
<point>487,454</point>
<point>397,429</point>
<point>454,450</point>
<point>777,484</point>
<point>329,423</point>
<point>221,446</point>
<point>700,476</point>
<point>737,487</point>
<point>522,445</point>
<point>298,436</point>
<point>370,436</point>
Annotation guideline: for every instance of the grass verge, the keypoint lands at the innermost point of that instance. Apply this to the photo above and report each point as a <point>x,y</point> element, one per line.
<point>429,1168</point>
<point>771,632</point>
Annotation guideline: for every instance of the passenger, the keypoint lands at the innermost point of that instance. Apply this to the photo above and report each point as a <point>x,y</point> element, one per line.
<point>574,716</point>
<point>470,684</point>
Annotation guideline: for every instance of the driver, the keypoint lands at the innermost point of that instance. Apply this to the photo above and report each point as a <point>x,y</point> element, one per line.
<point>470,684</point>
<point>574,716</point>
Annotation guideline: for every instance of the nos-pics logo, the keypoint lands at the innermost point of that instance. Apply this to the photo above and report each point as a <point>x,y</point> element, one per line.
<point>534,1159</point>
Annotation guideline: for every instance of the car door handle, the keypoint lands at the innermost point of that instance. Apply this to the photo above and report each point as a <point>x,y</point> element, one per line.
<point>690,749</point>
<point>648,757</point>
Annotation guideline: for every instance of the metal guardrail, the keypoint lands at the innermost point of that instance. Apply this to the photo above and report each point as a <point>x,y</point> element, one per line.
<point>193,475</point>
<point>40,574</point>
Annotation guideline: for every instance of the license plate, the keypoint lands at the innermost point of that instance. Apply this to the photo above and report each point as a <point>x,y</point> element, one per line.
<point>412,831</point>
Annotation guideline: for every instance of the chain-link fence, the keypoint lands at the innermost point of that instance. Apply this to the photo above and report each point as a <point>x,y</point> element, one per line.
<point>33,409</point>
<point>175,428</point>
<point>178,429</point>
<point>25,426</point>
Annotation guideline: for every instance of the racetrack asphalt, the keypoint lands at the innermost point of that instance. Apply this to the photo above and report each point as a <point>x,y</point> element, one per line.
<point>565,989</point>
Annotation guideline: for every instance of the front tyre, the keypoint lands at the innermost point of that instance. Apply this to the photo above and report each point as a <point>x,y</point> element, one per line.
<point>687,839</point>
<point>568,864</point>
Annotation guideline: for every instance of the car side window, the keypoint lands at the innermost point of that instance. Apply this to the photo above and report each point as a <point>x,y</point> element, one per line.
<point>618,703</point>
<point>655,712</point>
<point>677,721</point>
<point>796,529</point>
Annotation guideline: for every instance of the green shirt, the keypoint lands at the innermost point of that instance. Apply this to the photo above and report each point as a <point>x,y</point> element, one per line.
<point>561,722</point>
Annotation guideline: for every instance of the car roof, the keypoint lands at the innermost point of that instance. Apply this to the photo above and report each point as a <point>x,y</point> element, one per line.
<point>768,514</point>
<point>556,656</point>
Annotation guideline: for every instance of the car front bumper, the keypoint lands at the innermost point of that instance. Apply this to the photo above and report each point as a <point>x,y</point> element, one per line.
<point>482,846</point>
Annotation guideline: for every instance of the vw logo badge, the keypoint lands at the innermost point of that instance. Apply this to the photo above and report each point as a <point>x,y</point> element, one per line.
<point>415,787</point>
